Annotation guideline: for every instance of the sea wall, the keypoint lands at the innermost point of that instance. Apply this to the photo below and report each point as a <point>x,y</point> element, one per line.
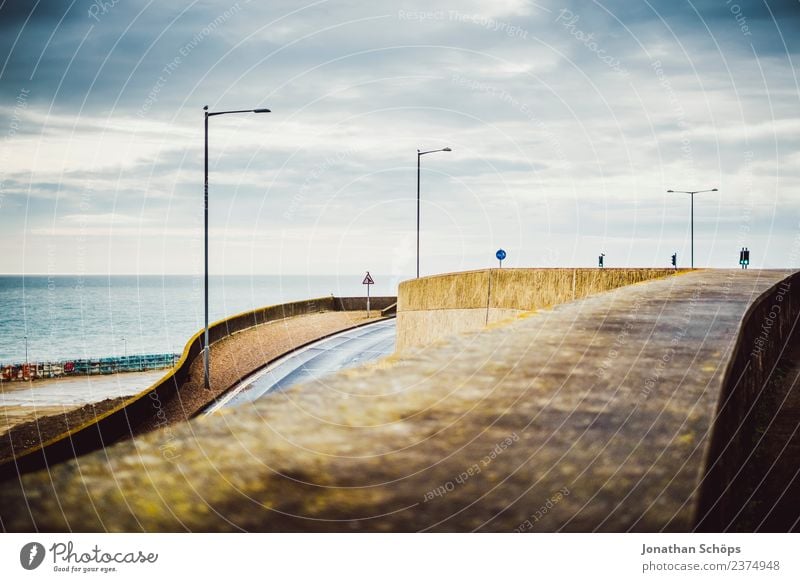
<point>146,409</point>
<point>434,307</point>
<point>592,417</point>
<point>767,330</point>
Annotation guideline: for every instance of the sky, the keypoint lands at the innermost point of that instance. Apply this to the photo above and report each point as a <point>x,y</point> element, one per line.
<point>568,122</point>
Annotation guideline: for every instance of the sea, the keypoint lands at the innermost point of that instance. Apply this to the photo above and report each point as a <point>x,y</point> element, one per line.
<point>68,317</point>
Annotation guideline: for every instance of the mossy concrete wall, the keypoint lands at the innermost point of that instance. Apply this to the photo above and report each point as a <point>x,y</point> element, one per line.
<point>434,307</point>
<point>593,416</point>
<point>767,332</point>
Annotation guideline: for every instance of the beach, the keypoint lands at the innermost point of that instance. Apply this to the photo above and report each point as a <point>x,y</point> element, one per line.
<point>22,402</point>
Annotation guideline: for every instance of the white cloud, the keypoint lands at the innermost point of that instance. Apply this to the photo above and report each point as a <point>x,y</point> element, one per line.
<point>552,148</point>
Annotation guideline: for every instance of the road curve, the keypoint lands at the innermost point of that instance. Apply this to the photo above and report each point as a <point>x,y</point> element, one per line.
<point>343,350</point>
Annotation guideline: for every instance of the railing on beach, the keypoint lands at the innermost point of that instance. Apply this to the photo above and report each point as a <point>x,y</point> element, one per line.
<point>87,367</point>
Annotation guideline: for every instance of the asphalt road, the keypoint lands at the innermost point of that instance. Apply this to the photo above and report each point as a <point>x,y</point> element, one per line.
<point>344,350</point>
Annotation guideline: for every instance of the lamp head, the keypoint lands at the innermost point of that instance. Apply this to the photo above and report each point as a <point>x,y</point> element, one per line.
<point>261,111</point>
<point>714,190</point>
<point>671,191</point>
<point>447,150</point>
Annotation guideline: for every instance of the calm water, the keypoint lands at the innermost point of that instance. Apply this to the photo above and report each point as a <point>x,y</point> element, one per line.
<point>68,317</point>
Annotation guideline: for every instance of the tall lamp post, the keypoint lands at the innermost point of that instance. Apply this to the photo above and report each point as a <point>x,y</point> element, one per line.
<point>692,193</point>
<point>419,156</point>
<point>205,202</point>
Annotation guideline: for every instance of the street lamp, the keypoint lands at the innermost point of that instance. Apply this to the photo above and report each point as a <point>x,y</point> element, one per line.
<point>692,193</point>
<point>205,202</point>
<point>125,344</point>
<point>419,155</point>
<point>26,349</point>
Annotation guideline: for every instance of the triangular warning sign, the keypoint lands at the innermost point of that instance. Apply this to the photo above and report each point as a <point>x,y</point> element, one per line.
<point>368,280</point>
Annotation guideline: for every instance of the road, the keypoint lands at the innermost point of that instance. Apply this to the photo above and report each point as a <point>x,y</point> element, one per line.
<point>343,350</point>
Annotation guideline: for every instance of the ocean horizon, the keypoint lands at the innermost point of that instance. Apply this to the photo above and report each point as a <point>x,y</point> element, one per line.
<point>93,316</point>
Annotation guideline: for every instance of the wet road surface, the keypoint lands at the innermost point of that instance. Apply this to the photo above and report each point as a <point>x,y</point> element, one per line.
<point>344,350</point>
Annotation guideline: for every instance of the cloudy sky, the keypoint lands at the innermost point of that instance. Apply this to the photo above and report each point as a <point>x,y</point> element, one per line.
<point>568,121</point>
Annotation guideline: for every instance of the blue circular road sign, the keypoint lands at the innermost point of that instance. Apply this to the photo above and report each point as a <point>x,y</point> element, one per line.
<point>501,255</point>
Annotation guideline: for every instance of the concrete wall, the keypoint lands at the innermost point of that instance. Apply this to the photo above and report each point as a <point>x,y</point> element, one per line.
<point>766,332</point>
<point>360,303</point>
<point>137,411</point>
<point>434,307</point>
<point>627,433</point>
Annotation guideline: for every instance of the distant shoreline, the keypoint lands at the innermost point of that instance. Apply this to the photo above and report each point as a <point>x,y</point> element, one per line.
<point>22,385</point>
<point>70,368</point>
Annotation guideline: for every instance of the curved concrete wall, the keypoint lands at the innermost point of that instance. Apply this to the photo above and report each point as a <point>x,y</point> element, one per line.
<point>433,307</point>
<point>768,327</point>
<point>122,421</point>
<point>614,397</point>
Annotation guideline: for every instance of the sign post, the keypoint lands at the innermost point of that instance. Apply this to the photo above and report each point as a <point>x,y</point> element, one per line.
<point>368,280</point>
<point>500,254</point>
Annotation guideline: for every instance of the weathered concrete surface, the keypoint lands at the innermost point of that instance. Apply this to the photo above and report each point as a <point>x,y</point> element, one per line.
<point>594,415</point>
<point>434,307</point>
<point>762,491</point>
<point>757,422</point>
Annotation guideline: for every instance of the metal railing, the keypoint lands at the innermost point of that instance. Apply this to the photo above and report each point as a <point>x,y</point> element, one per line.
<point>86,367</point>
